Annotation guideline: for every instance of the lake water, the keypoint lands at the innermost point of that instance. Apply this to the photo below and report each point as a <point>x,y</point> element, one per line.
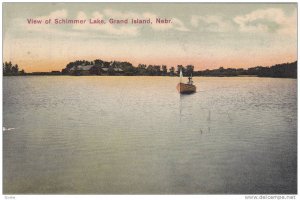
<point>137,135</point>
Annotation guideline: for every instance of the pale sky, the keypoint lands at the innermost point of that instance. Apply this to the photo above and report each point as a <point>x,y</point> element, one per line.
<point>206,35</point>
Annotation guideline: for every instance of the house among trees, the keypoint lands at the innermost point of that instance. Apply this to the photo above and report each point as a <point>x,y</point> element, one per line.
<point>115,69</point>
<point>98,67</point>
<point>80,70</point>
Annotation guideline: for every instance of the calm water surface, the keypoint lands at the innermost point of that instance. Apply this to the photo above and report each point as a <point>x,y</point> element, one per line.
<point>137,135</point>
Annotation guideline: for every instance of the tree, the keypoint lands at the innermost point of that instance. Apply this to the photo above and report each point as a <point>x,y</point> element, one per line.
<point>164,70</point>
<point>22,72</point>
<point>15,69</point>
<point>182,68</point>
<point>141,69</point>
<point>189,70</point>
<point>98,62</point>
<point>157,70</point>
<point>7,68</point>
<point>150,70</point>
<point>65,71</point>
<point>172,71</point>
<point>10,69</point>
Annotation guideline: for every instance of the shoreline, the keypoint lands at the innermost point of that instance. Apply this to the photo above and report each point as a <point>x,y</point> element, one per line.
<point>116,68</point>
<point>239,76</point>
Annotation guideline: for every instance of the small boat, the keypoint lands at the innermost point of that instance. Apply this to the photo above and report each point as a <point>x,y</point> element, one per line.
<point>186,88</point>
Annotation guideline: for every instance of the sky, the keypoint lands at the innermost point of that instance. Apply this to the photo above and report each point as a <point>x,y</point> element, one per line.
<point>206,35</point>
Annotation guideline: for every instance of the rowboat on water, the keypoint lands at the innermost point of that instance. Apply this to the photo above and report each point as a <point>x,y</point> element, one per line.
<point>186,88</point>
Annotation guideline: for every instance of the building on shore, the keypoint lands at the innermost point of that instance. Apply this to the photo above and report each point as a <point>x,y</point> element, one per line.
<point>85,70</point>
<point>80,70</point>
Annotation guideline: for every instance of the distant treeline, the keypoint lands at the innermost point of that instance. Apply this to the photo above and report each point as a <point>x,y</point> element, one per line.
<point>115,68</point>
<point>11,70</point>
<point>99,67</point>
<point>285,70</point>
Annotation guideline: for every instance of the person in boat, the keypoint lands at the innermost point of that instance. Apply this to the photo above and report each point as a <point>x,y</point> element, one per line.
<point>190,80</point>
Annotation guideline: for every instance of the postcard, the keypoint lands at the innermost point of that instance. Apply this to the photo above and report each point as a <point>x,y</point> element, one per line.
<point>150,98</point>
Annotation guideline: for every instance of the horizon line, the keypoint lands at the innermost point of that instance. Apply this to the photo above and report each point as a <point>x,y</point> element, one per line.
<point>168,67</point>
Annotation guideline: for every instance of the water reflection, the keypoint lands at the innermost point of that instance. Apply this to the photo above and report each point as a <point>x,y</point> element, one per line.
<point>187,111</point>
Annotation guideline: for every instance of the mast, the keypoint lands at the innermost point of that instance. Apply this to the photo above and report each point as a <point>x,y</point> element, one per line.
<point>181,75</point>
